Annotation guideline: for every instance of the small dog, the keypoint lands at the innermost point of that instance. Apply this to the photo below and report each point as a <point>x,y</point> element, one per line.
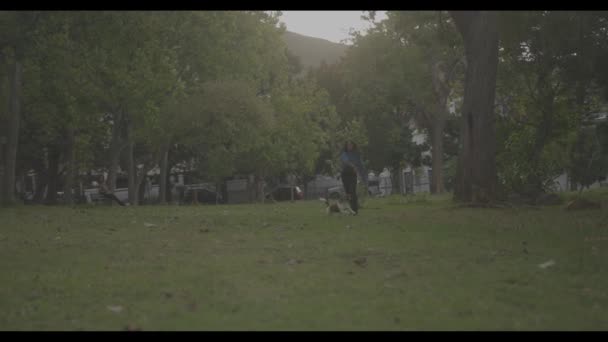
<point>337,206</point>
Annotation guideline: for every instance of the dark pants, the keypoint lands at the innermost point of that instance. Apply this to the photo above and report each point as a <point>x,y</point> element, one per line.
<point>349,181</point>
<point>113,197</point>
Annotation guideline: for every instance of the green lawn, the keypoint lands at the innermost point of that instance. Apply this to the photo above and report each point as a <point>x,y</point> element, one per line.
<point>399,265</point>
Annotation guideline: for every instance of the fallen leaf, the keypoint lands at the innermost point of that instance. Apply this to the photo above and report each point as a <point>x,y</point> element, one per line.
<point>115,308</point>
<point>294,261</point>
<point>547,264</point>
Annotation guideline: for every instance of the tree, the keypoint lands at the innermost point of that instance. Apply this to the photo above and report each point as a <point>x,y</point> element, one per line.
<point>476,178</point>
<point>18,31</point>
<point>57,105</point>
<point>306,122</point>
<point>237,45</point>
<point>547,85</point>
<point>230,122</point>
<point>367,88</point>
<point>440,59</point>
<point>404,70</point>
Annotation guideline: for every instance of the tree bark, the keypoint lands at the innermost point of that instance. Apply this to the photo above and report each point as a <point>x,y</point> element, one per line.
<point>53,176</point>
<point>12,131</point>
<point>476,177</point>
<point>116,146</point>
<point>139,180</point>
<point>259,185</point>
<point>437,155</point>
<point>164,173</point>
<point>2,166</point>
<point>41,180</point>
<point>70,171</point>
<point>132,173</point>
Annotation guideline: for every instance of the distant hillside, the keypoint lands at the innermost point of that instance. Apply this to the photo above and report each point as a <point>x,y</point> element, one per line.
<point>313,50</point>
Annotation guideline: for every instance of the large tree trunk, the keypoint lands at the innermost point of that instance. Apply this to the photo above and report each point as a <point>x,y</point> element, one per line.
<point>259,185</point>
<point>164,174</point>
<point>41,180</point>
<point>441,86</point>
<point>132,171</point>
<point>136,175</point>
<point>3,136</point>
<point>12,132</point>
<point>139,180</point>
<point>116,146</point>
<point>437,155</point>
<point>53,176</point>
<point>476,177</point>
<point>70,169</point>
<point>2,163</point>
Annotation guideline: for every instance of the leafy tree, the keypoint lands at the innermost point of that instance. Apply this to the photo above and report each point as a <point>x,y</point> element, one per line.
<point>546,87</point>
<point>589,157</point>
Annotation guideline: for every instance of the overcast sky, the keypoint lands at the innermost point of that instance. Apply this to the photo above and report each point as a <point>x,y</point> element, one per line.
<point>331,25</point>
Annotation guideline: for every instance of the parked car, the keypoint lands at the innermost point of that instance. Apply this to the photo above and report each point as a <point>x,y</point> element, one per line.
<point>283,193</point>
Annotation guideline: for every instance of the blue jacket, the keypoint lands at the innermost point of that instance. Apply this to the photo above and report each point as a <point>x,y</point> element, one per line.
<point>350,159</point>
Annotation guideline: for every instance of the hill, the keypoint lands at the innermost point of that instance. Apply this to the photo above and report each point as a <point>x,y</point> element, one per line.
<point>312,51</point>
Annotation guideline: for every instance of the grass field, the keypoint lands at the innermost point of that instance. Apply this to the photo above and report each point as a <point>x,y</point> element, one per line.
<point>402,264</point>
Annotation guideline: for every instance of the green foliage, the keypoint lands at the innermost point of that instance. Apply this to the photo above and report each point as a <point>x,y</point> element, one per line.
<point>367,89</point>
<point>403,70</point>
<point>306,123</point>
<point>589,159</point>
<point>216,83</point>
<point>517,167</point>
<point>226,89</point>
<point>226,121</point>
<point>546,85</point>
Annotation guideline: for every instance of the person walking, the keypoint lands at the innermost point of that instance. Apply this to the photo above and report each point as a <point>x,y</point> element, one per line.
<point>351,167</point>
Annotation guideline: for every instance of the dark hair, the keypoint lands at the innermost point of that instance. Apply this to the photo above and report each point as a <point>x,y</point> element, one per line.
<point>346,146</point>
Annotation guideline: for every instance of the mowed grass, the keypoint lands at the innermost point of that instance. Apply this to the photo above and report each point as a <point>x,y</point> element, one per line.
<point>399,265</point>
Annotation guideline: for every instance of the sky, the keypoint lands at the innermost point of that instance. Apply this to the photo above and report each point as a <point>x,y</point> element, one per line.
<point>331,25</point>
